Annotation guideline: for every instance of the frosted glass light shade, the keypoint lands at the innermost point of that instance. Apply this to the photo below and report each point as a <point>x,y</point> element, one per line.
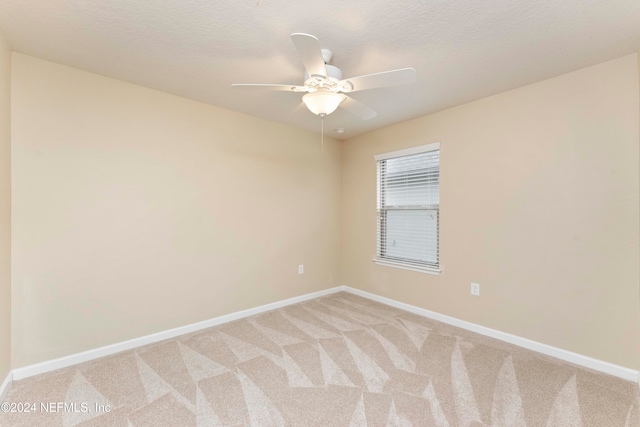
<point>322,102</point>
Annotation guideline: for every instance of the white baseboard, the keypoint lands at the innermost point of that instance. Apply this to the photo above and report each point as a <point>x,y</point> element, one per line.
<point>73,359</point>
<point>568,356</point>
<point>4,388</point>
<point>558,353</point>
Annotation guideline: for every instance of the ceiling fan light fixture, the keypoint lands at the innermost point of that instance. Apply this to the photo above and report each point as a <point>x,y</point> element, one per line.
<point>322,102</point>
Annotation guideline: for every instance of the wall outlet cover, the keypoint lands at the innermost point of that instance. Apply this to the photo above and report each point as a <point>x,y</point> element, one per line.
<point>475,289</point>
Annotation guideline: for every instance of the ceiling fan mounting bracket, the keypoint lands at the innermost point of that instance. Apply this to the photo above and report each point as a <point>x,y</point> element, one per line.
<point>327,56</point>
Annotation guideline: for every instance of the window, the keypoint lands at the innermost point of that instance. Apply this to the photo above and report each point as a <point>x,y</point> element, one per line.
<point>409,208</point>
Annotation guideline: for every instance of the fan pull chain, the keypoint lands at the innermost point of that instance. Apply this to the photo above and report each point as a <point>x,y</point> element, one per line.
<point>322,131</point>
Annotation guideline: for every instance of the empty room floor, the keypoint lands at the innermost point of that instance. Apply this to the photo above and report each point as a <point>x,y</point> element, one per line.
<point>339,360</point>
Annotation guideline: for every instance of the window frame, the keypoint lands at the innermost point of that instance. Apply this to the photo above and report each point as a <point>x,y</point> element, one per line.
<point>380,224</point>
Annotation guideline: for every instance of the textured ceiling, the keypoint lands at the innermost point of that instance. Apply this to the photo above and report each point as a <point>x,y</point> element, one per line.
<point>462,50</point>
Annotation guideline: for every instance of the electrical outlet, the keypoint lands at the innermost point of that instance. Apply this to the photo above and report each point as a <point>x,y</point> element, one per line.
<point>301,269</point>
<point>475,289</point>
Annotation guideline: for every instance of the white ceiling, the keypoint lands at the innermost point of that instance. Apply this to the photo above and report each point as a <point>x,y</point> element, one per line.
<point>462,50</point>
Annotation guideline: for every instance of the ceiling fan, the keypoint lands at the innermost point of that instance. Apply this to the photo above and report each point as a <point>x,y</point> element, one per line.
<point>325,89</point>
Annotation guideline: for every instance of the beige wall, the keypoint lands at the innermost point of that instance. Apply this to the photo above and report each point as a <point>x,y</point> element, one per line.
<point>5,209</point>
<point>136,211</point>
<point>539,204</point>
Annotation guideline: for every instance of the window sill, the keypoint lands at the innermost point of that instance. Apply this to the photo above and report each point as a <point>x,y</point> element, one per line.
<point>402,266</point>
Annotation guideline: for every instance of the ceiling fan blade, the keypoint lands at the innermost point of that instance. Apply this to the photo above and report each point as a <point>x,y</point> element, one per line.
<point>309,50</point>
<point>358,108</point>
<point>285,88</point>
<point>386,78</point>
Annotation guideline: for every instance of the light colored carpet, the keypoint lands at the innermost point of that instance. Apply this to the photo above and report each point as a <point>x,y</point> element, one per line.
<point>339,360</point>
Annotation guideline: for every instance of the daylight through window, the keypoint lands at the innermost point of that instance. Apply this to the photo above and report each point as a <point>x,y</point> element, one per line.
<point>409,208</point>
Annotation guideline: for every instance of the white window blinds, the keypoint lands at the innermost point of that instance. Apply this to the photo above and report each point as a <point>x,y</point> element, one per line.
<point>408,207</point>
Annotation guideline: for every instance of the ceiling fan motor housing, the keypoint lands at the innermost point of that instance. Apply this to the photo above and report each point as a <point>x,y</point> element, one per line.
<point>333,72</point>
<point>332,82</point>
